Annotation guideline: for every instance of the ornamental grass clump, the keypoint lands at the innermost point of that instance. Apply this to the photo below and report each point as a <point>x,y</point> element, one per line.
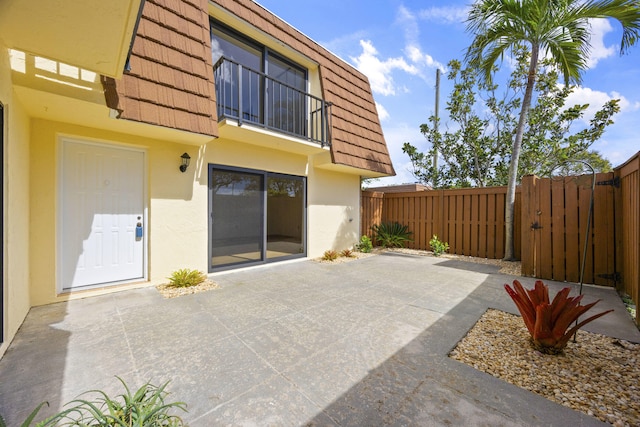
<point>330,255</point>
<point>185,277</point>
<point>347,253</point>
<point>548,322</point>
<point>145,407</point>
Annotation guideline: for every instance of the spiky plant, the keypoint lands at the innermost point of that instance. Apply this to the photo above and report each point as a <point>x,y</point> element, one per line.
<point>145,407</point>
<point>392,234</point>
<point>330,255</point>
<point>548,322</point>
<point>186,277</point>
<point>347,253</point>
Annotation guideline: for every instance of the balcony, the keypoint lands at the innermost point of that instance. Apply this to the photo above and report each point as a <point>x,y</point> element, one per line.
<point>252,97</point>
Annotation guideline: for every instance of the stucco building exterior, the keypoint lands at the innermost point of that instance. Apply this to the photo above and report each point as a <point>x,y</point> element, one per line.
<point>104,104</point>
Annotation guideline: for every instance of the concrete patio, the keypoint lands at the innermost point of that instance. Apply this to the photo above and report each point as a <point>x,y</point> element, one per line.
<point>304,343</point>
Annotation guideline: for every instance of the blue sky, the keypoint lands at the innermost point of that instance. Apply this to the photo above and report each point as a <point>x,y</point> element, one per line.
<point>400,44</point>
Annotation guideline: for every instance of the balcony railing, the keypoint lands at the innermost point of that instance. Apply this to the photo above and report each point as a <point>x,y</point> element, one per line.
<point>253,97</point>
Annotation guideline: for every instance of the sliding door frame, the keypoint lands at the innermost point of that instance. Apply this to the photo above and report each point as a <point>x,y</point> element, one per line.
<point>264,206</point>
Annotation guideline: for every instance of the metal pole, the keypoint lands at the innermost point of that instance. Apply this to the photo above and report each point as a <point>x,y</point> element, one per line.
<point>437,115</point>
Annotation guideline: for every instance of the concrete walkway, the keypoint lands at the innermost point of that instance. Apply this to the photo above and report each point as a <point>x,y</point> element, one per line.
<point>362,343</point>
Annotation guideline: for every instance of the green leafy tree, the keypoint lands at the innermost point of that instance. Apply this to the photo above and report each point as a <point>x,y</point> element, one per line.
<point>476,151</point>
<point>479,142</point>
<point>557,29</point>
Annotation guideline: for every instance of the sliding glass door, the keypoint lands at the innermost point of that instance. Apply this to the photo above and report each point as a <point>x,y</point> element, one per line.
<point>285,216</point>
<point>254,217</point>
<point>236,217</point>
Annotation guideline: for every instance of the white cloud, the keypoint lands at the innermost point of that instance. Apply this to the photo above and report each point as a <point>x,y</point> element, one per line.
<point>596,99</point>
<point>409,23</point>
<point>445,15</point>
<point>340,45</point>
<point>418,57</point>
<point>383,114</point>
<point>379,71</point>
<point>599,28</point>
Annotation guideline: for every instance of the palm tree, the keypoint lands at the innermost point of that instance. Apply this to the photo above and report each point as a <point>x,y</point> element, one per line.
<point>558,29</point>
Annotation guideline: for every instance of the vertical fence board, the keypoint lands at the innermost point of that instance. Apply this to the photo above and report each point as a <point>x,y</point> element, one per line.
<point>517,234</point>
<point>482,227</point>
<point>586,229</point>
<point>474,226</point>
<point>501,203</point>
<point>572,251</point>
<point>457,223</point>
<point>527,251</point>
<point>371,207</point>
<point>544,233</point>
<point>466,224</point>
<point>411,221</point>
<point>558,229</point>
<point>427,205</point>
<point>628,229</point>
<point>603,232</point>
<point>491,226</point>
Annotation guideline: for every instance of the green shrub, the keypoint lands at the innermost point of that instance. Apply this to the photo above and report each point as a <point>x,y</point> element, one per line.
<point>330,255</point>
<point>144,408</point>
<point>186,277</point>
<point>438,247</point>
<point>347,253</point>
<point>365,245</point>
<point>392,234</point>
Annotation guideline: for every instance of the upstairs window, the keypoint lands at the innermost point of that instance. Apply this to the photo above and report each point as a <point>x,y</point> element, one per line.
<point>257,85</point>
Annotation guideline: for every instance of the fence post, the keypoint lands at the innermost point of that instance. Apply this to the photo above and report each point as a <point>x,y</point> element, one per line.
<point>528,243</point>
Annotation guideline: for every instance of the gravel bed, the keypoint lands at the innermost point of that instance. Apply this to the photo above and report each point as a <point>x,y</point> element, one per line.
<point>169,291</point>
<point>597,375</point>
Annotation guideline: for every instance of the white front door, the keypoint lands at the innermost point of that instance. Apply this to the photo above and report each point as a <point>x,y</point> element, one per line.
<point>102,226</point>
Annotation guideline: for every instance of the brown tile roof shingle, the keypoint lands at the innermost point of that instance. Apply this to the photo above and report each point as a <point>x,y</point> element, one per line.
<point>171,78</point>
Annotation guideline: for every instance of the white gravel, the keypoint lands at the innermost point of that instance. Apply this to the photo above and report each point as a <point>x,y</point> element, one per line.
<point>597,375</point>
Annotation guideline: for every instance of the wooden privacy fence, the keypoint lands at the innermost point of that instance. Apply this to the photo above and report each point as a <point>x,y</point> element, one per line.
<point>627,220</point>
<point>470,220</point>
<point>555,215</point>
<point>551,218</point>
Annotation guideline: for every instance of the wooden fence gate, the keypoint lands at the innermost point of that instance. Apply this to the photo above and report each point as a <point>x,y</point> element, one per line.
<point>555,213</point>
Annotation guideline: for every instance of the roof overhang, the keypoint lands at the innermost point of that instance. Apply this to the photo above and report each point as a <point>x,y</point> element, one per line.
<point>324,161</point>
<point>91,34</point>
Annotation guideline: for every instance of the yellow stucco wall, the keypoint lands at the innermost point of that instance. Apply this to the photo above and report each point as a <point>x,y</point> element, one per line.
<point>334,211</point>
<point>178,202</point>
<point>16,202</point>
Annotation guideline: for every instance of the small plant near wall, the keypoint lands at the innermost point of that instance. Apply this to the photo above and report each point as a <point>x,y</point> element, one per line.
<point>365,245</point>
<point>330,255</point>
<point>392,234</point>
<point>347,253</point>
<point>548,322</point>
<point>186,277</point>
<point>144,408</point>
<point>438,247</point>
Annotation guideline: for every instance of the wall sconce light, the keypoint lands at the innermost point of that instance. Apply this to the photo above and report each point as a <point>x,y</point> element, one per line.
<point>186,159</point>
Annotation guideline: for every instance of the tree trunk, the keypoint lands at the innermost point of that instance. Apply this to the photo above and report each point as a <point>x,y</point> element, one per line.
<point>509,253</point>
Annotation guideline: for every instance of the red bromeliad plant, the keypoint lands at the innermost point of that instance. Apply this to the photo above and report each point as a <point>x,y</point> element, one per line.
<point>548,322</point>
